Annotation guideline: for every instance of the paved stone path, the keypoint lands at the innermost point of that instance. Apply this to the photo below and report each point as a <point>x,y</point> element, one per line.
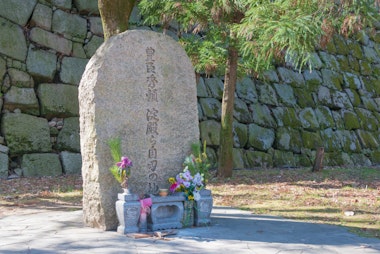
<point>232,230</point>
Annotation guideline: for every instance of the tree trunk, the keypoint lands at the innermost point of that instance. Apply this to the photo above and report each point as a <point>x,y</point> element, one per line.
<point>318,163</point>
<point>226,133</point>
<point>115,16</point>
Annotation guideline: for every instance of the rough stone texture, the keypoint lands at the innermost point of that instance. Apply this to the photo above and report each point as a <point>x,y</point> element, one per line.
<point>42,16</point>
<point>23,13</point>
<point>51,40</point>
<point>20,78</point>
<point>14,44</point>
<point>72,69</point>
<point>210,132</point>
<point>68,138</point>
<point>133,89</point>
<point>69,25</point>
<point>35,138</point>
<point>64,105</point>
<point>22,98</point>
<point>71,162</point>
<point>87,6</point>
<point>93,45</point>
<point>41,164</point>
<point>4,165</point>
<point>41,64</point>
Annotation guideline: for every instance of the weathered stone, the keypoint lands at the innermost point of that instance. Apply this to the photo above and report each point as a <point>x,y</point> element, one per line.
<point>93,45</point>
<point>17,11</point>
<point>340,45</point>
<point>4,149</point>
<point>286,117</point>
<point>238,158</point>
<point>260,138</point>
<point>355,49</point>
<point>42,16</point>
<point>261,115</point>
<point>354,64</point>
<point>311,140</point>
<point>332,79</point>
<point>51,40</point>
<point>367,120</point>
<point>362,37</point>
<point>331,141</point>
<point>201,88</point>
<point>245,90</point>
<point>20,78</point>
<point>87,6</point>
<point>340,100</point>
<point>58,100</point>
<point>308,119</point>
<point>210,132</point>
<point>78,50</point>
<point>71,162</point>
<point>41,164</point>
<point>41,64</point>
<point>371,85</point>
<point>62,4</point>
<point>14,43</point>
<point>324,117</point>
<point>240,132</point>
<point>288,139</point>
<point>134,89</point>
<point>284,159</point>
<point>22,98</point>
<point>270,76</point>
<point>312,78</point>
<point>286,95</point>
<point>315,62</point>
<point>35,138</point>
<point>324,96</point>
<point>329,61</point>
<point>96,26</point>
<point>367,140</point>
<point>215,86</point>
<point>267,94</point>
<point>72,69</point>
<point>350,142</point>
<point>211,107</point>
<point>3,68</point>
<point>258,159</point>
<point>351,120</point>
<point>361,160</point>
<point>71,26</point>
<point>291,77</point>
<point>344,65</point>
<point>304,97</point>
<point>241,112</point>
<point>4,166</point>
<point>68,138</point>
<point>352,81</point>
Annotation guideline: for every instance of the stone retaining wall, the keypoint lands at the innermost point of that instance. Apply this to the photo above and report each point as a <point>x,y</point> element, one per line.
<point>280,118</point>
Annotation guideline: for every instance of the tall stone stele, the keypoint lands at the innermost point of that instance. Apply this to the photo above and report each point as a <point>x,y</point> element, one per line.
<point>139,87</point>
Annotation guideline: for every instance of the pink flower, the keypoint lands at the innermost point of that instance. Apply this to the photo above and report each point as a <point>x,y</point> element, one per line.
<point>125,162</point>
<point>173,187</point>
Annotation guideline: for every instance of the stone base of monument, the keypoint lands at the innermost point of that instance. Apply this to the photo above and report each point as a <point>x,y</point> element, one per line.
<point>128,212</point>
<point>202,209</point>
<point>166,212</point>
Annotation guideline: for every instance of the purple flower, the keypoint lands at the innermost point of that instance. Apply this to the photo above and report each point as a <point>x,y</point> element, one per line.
<point>187,175</point>
<point>125,162</point>
<point>197,180</point>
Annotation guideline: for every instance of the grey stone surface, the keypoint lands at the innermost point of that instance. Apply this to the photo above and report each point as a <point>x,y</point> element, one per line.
<point>4,165</point>
<point>138,71</point>
<point>68,138</point>
<point>71,162</point>
<point>3,68</point>
<point>35,138</point>
<point>210,132</point>
<point>63,4</point>
<point>245,89</point>
<point>41,164</point>
<point>211,107</point>
<point>96,26</point>
<point>51,40</point>
<point>14,43</point>
<point>93,45</point>
<point>20,78</point>
<point>42,65</point>
<point>87,6</point>
<point>71,26</point>
<point>42,16</point>
<point>21,98</point>
<point>215,86</point>
<point>231,230</point>
<point>261,138</point>
<point>58,100</point>
<point>23,13</point>
<point>72,69</point>
<point>201,88</point>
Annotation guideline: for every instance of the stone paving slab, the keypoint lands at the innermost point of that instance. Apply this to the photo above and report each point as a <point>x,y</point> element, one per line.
<point>232,231</point>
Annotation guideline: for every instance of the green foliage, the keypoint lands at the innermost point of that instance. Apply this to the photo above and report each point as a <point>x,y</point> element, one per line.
<point>115,148</point>
<point>198,161</point>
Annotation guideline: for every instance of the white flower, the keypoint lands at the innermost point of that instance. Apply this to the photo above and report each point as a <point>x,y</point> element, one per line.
<point>197,196</point>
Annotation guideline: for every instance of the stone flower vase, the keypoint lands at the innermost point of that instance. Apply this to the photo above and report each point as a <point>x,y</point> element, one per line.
<point>203,208</point>
<point>188,213</point>
<point>128,210</point>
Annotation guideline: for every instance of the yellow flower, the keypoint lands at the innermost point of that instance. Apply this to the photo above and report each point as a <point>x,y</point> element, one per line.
<point>171,180</point>
<point>191,197</point>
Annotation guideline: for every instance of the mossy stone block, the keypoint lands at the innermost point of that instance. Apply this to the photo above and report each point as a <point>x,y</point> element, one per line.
<point>324,117</point>
<point>261,115</point>
<point>210,132</point>
<point>261,138</point>
<point>211,107</point>
<point>284,159</point>
<point>241,112</point>
<point>258,159</point>
<point>246,90</point>
<point>308,119</point>
<point>286,117</point>
<point>41,164</point>
<point>286,94</point>
<point>367,139</point>
<point>240,133</point>
<point>351,120</point>
<point>311,140</point>
<point>288,139</point>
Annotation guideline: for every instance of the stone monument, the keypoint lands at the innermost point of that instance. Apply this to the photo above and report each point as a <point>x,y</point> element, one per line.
<point>139,87</point>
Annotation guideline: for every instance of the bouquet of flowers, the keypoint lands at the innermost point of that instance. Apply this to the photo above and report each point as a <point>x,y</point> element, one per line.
<point>121,169</point>
<point>188,184</point>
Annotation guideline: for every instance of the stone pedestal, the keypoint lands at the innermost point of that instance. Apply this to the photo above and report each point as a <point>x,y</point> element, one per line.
<point>166,212</point>
<point>128,212</point>
<point>203,208</point>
